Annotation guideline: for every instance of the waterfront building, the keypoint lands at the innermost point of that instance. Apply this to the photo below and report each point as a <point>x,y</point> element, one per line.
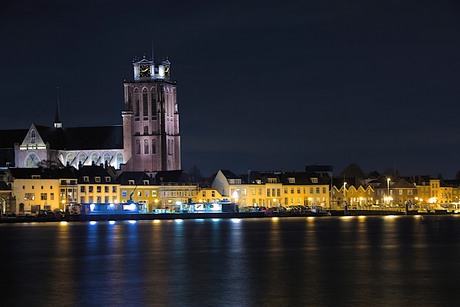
<point>434,192</point>
<point>6,194</point>
<point>208,195</point>
<point>353,191</point>
<point>454,185</point>
<point>274,189</point>
<point>96,184</point>
<point>175,192</point>
<point>140,188</point>
<point>36,189</point>
<point>164,191</point>
<point>395,192</point>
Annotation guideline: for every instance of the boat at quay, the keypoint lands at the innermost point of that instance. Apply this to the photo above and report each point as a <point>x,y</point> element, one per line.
<point>227,215</point>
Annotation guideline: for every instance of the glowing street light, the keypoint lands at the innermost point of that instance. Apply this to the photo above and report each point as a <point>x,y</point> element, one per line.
<point>388,187</point>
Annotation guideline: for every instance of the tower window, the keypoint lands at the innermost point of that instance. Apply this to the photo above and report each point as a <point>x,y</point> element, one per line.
<point>154,147</point>
<point>146,130</point>
<point>145,103</point>
<point>153,100</point>
<point>138,147</point>
<point>136,107</point>
<point>146,147</point>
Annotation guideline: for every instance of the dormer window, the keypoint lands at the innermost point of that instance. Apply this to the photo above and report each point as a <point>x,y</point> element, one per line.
<point>131,182</point>
<point>271,180</point>
<point>291,180</point>
<point>97,179</point>
<point>85,178</point>
<point>146,182</point>
<point>35,176</point>
<point>314,180</point>
<point>108,179</point>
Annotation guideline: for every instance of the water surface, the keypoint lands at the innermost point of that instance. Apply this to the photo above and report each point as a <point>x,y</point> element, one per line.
<point>325,261</point>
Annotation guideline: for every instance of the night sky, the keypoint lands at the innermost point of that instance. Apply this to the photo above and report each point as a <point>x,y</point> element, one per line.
<point>262,85</point>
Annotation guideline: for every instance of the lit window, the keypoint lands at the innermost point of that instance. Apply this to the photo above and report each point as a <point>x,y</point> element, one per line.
<point>29,196</point>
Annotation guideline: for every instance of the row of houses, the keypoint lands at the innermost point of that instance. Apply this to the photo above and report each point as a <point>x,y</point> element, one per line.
<point>273,189</point>
<point>28,190</point>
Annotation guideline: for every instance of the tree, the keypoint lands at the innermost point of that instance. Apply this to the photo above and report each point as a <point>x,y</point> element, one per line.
<point>353,170</point>
<point>457,176</point>
<point>195,174</point>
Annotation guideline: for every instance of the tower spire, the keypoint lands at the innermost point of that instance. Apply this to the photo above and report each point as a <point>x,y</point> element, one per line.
<point>57,117</point>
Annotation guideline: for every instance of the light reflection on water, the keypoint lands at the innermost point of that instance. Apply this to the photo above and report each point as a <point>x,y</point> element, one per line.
<point>400,260</point>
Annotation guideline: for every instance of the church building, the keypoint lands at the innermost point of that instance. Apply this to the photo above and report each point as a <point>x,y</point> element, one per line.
<point>147,141</point>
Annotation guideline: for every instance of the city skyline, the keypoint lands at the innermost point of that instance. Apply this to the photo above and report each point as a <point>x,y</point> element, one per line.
<point>267,87</point>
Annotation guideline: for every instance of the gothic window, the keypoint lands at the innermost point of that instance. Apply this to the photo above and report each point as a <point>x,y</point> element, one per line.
<point>130,102</point>
<point>32,136</point>
<point>136,103</point>
<point>138,147</point>
<point>145,103</point>
<point>119,159</point>
<point>146,147</point>
<point>171,147</point>
<point>32,160</point>
<point>154,147</point>
<point>81,158</point>
<point>106,158</point>
<point>69,159</point>
<point>153,101</point>
<point>94,158</point>
<point>146,130</point>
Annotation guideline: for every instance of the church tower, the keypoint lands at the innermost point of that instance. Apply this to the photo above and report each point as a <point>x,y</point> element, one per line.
<point>151,138</point>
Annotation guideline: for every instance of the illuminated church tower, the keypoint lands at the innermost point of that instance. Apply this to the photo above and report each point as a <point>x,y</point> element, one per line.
<point>151,138</point>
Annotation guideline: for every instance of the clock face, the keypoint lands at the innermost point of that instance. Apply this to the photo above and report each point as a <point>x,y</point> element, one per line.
<point>144,71</point>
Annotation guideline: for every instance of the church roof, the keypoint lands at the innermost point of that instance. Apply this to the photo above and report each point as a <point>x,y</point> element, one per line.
<point>82,138</point>
<point>73,138</point>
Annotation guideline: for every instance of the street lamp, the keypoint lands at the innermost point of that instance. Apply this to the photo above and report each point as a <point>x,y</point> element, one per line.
<point>388,187</point>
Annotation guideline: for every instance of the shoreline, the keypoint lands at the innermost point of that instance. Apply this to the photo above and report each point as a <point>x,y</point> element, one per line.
<point>233,215</point>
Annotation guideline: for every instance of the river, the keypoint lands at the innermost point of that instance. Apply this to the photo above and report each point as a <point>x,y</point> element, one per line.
<point>291,261</point>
